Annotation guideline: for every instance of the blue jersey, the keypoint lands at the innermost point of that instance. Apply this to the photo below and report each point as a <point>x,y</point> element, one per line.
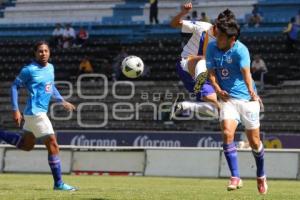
<point>228,67</point>
<point>39,82</point>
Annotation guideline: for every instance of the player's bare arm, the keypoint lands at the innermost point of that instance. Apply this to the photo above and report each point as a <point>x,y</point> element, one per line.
<point>177,20</point>
<point>248,80</point>
<point>213,79</point>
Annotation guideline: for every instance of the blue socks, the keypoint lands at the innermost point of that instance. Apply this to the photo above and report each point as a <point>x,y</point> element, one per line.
<point>55,165</point>
<point>259,159</point>
<point>230,153</point>
<point>11,138</point>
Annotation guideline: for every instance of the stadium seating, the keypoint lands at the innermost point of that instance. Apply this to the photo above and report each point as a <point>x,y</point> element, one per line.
<point>278,10</point>
<point>160,56</point>
<point>127,18</point>
<point>108,12</point>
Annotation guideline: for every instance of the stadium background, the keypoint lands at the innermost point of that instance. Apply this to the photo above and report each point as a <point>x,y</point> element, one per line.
<point>113,25</point>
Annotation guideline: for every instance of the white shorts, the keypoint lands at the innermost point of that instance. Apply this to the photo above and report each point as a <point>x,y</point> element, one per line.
<point>184,64</point>
<point>39,125</point>
<point>200,63</point>
<point>246,112</point>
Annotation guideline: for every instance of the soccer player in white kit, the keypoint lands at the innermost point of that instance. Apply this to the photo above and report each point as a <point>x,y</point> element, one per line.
<point>191,67</point>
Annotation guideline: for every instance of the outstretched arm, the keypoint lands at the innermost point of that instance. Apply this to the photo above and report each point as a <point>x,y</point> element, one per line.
<point>177,20</point>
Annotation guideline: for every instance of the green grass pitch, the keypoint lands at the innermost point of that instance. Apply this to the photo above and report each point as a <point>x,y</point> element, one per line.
<point>28,186</point>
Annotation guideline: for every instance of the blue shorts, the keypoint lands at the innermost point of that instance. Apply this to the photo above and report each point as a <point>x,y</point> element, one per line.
<point>189,83</point>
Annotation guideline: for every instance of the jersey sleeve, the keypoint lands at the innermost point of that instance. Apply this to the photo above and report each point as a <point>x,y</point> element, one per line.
<point>210,63</point>
<point>23,77</point>
<point>20,81</point>
<point>56,95</point>
<point>244,58</point>
<point>194,26</point>
<point>188,26</point>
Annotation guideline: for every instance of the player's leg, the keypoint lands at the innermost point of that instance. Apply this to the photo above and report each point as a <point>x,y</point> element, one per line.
<point>258,153</point>
<point>206,101</point>
<point>196,67</point>
<point>200,107</point>
<point>229,118</point>
<point>200,75</point>
<point>250,118</point>
<point>257,150</point>
<point>27,142</point>
<point>55,163</point>
<point>11,138</point>
<point>208,98</point>
<point>24,141</point>
<point>151,15</point>
<point>192,63</point>
<point>208,94</point>
<point>43,130</point>
<point>230,152</point>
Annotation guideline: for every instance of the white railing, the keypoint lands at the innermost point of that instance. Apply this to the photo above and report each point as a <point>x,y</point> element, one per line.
<point>150,161</point>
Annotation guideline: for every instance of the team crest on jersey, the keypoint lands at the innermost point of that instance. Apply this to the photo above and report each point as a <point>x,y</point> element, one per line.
<point>224,72</point>
<point>48,87</point>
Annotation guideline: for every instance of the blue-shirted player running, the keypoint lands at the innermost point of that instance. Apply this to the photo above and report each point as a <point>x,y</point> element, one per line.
<point>38,79</point>
<point>228,63</point>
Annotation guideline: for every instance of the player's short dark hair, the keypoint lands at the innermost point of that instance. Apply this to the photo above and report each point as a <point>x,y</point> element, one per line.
<point>226,14</point>
<point>227,24</point>
<point>39,43</point>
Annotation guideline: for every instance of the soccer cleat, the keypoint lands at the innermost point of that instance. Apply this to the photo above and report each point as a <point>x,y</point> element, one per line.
<point>262,185</point>
<point>176,108</point>
<point>64,187</point>
<point>235,183</point>
<point>200,80</point>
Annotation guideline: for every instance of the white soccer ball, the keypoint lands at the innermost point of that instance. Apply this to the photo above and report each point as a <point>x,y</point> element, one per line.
<point>132,66</point>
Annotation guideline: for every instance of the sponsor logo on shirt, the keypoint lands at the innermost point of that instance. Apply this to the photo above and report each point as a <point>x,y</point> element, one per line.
<point>229,60</point>
<point>48,87</point>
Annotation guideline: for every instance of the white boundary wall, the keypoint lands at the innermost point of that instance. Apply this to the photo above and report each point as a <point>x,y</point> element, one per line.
<point>150,161</point>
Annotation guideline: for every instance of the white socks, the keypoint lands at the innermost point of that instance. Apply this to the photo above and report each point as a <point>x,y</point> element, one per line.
<point>204,108</point>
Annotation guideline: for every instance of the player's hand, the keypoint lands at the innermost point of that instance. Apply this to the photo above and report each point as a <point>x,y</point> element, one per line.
<point>254,96</point>
<point>186,8</point>
<point>261,104</point>
<point>68,106</point>
<point>17,117</point>
<point>223,95</point>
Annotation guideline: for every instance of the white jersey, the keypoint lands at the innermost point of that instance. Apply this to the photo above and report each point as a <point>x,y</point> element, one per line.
<point>202,34</point>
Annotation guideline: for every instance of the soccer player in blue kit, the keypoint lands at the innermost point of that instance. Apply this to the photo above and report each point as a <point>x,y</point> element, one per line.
<point>38,79</point>
<point>228,63</point>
